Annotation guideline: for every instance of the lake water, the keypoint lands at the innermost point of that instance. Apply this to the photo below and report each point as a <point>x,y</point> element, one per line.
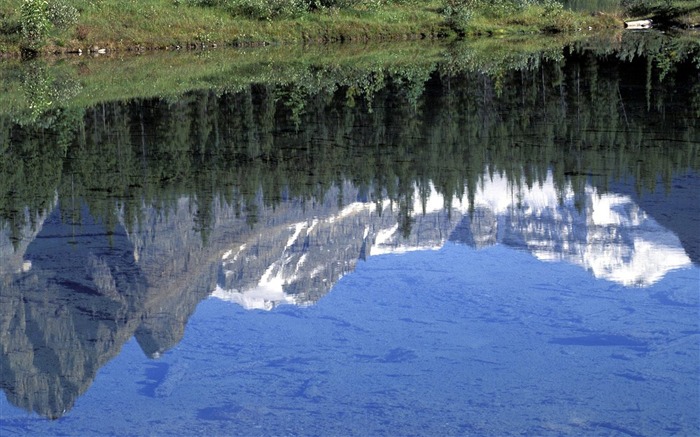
<point>466,243</point>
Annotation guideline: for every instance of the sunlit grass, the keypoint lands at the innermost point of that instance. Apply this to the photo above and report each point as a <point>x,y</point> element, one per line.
<point>172,24</point>
<point>680,12</point>
<point>536,19</point>
<point>134,24</point>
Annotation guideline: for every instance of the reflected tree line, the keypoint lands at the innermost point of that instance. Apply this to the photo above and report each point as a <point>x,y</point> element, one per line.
<point>586,116</point>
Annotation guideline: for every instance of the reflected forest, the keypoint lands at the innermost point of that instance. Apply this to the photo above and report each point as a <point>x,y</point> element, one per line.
<point>384,130</point>
<point>111,175</point>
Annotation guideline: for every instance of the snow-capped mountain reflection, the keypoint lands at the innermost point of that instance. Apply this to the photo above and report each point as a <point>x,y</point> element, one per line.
<point>605,233</point>
<point>608,234</point>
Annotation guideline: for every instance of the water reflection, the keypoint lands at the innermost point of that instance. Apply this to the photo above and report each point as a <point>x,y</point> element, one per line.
<point>83,290</point>
<point>80,295</point>
<point>272,194</point>
<point>608,235</point>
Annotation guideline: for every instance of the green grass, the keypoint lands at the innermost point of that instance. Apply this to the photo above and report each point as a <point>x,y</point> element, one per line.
<point>680,13</point>
<point>495,17</point>
<point>537,19</point>
<point>161,24</point>
<point>168,24</point>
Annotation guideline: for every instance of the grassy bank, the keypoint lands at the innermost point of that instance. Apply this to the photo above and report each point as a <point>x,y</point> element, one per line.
<point>55,26</point>
<point>148,24</point>
<point>677,13</point>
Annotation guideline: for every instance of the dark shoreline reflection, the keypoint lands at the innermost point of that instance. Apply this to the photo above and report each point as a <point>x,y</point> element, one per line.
<point>118,220</point>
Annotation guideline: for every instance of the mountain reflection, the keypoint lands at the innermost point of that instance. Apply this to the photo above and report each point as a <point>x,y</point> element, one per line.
<point>77,299</point>
<point>142,209</point>
<point>81,290</point>
<point>609,235</point>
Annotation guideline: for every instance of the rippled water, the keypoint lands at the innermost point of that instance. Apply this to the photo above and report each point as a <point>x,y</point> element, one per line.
<point>458,247</point>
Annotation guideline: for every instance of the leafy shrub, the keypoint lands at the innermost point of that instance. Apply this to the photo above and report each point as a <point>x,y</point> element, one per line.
<point>269,9</point>
<point>266,9</point>
<point>35,23</point>
<point>61,14</point>
<point>372,5</point>
<point>644,7</point>
<point>205,3</point>
<point>339,4</point>
<point>10,25</point>
<point>457,13</point>
<point>503,8</point>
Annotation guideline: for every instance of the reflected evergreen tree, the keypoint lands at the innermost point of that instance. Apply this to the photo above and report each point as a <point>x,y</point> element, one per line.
<point>387,131</point>
<point>396,135</point>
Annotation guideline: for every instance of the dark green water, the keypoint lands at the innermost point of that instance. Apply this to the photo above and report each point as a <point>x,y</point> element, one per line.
<point>444,248</point>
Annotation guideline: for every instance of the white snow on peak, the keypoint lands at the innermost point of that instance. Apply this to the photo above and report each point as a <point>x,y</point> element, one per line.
<point>434,203</point>
<point>302,260</point>
<point>298,227</point>
<point>497,194</point>
<point>614,210</point>
<point>403,248</point>
<point>645,254</point>
<point>228,253</point>
<point>353,208</point>
<point>608,234</point>
<point>500,196</point>
<point>385,235</point>
<point>314,222</point>
<point>648,263</point>
<point>261,298</point>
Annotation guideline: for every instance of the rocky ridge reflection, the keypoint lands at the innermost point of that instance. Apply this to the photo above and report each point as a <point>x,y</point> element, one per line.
<point>610,236</point>
<point>79,291</point>
<point>229,194</point>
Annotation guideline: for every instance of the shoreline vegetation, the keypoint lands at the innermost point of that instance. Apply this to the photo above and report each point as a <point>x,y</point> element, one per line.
<point>42,88</point>
<point>43,27</point>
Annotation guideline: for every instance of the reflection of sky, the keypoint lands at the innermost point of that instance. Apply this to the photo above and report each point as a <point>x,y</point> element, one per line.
<point>449,342</point>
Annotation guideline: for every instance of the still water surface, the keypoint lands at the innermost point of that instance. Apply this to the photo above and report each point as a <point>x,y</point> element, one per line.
<point>416,250</point>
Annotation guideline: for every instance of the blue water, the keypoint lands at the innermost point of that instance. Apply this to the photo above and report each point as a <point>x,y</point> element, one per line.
<point>456,341</point>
